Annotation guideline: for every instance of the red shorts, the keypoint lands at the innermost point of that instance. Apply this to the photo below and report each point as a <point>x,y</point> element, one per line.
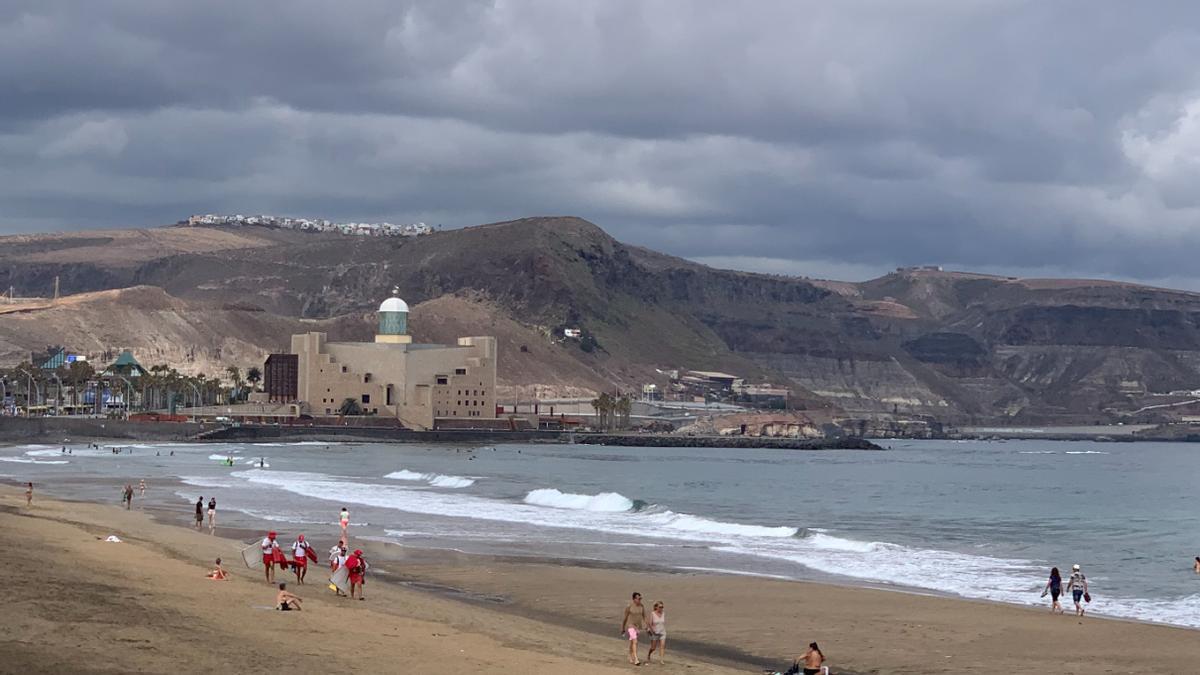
<point>356,578</point>
<point>268,560</point>
<point>300,562</point>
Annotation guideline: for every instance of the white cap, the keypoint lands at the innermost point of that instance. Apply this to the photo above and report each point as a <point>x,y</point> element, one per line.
<point>1075,567</point>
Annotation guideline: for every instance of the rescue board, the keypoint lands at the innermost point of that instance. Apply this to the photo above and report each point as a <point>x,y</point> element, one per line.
<point>252,555</point>
<point>340,580</point>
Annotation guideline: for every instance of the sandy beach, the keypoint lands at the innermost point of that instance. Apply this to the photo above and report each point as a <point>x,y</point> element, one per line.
<point>82,605</point>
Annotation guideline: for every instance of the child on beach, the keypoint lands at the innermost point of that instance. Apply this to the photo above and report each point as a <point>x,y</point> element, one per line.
<point>219,573</point>
<point>286,602</point>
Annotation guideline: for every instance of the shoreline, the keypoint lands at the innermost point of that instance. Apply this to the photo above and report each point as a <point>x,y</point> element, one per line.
<point>876,630</point>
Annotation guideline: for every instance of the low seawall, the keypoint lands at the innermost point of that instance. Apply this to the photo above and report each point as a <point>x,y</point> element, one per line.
<point>665,441</point>
<point>254,433</point>
<point>62,429</point>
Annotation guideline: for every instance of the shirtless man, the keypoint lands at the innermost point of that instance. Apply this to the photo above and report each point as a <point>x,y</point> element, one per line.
<point>285,601</point>
<point>810,662</point>
<point>633,623</point>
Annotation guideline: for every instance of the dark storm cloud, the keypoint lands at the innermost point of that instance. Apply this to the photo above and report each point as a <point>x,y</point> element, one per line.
<point>791,137</point>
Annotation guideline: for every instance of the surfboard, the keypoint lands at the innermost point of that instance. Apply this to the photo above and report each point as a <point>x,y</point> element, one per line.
<point>252,556</point>
<point>340,580</point>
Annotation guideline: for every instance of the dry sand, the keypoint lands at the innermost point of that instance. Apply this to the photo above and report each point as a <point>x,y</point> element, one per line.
<point>145,606</point>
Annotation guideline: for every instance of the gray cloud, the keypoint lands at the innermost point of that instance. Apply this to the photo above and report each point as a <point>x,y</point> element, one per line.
<point>807,138</point>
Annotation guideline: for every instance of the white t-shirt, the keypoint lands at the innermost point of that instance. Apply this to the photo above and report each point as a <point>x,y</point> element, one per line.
<point>300,548</point>
<point>268,545</point>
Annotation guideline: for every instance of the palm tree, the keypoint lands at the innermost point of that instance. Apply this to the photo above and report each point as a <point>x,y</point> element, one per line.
<point>235,376</point>
<point>254,376</point>
<point>350,406</point>
<point>624,408</point>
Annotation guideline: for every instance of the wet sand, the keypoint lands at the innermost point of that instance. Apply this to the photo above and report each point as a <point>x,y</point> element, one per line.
<point>144,605</point>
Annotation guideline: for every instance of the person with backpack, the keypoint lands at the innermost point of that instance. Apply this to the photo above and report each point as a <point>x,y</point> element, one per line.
<point>301,552</point>
<point>357,566</point>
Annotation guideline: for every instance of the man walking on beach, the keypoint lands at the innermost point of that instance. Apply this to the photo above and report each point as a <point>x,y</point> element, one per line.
<point>199,512</point>
<point>633,623</point>
<point>212,515</point>
<point>300,555</point>
<point>128,495</point>
<point>269,547</point>
<point>1078,586</point>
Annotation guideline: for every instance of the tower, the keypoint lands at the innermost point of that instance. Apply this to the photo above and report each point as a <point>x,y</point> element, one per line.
<point>393,320</point>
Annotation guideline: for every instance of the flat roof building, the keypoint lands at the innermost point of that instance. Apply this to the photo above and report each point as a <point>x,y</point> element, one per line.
<point>418,384</point>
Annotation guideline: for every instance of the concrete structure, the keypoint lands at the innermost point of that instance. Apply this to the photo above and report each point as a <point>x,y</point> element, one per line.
<point>417,384</point>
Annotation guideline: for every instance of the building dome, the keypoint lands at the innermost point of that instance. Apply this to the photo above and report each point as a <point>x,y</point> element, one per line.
<point>393,304</point>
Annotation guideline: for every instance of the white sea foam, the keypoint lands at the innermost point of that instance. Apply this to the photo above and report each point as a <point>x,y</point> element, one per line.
<point>219,456</point>
<point>1085,452</point>
<point>605,501</point>
<point>1037,452</point>
<point>434,479</point>
<point>207,481</point>
<point>22,460</point>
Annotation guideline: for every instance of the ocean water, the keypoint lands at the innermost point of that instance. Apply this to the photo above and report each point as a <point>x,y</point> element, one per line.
<point>976,519</point>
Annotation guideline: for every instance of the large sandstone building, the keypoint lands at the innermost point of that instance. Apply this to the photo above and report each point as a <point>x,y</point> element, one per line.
<point>419,384</point>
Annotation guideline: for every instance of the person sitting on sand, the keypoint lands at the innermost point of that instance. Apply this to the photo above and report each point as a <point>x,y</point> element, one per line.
<point>1078,586</point>
<point>633,622</point>
<point>657,632</point>
<point>29,502</point>
<point>810,663</point>
<point>218,573</point>
<point>286,602</point>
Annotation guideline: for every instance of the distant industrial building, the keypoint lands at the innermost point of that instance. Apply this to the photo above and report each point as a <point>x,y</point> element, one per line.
<point>420,385</point>
<point>281,378</point>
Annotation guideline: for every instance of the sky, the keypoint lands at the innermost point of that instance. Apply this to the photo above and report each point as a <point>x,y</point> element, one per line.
<point>825,139</point>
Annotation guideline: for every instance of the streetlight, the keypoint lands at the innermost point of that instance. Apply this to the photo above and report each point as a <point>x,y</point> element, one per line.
<point>129,390</point>
<point>33,387</point>
<point>199,400</point>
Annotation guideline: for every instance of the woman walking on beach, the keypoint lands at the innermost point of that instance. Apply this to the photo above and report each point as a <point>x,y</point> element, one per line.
<point>1054,588</point>
<point>142,487</point>
<point>634,622</point>
<point>344,519</point>
<point>212,515</point>
<point>657,630</point>
<point>29,497</point>
<point>1078,586</point>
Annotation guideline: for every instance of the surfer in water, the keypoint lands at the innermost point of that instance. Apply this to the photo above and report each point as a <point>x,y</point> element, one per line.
<point>1195,568</point>
<point>300,556</point>
<point>344,519</point>
<point>269,547</point>
<point>212,515</point>
<point>285,601</point>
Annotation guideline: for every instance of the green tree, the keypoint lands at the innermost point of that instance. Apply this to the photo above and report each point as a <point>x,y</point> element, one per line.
<point>254,376</point>
<point>350,406</point>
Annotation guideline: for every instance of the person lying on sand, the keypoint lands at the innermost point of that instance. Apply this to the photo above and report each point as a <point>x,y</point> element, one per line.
<point>219,573</point>
<point>286,602</point>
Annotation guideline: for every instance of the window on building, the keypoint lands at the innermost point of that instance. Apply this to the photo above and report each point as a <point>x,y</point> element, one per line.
<point>327,411</point>
<point>443,380</point>
<point>345,369</point>
<point>459,403</point>
<point>367,378</point>
<point>374,411</point>
<point>389,400</point>
<point>460,371</point>
<point>366,398</point>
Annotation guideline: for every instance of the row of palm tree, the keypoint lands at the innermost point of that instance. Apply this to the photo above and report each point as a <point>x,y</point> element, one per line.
<point>612,412</point>
<point>159,387</point>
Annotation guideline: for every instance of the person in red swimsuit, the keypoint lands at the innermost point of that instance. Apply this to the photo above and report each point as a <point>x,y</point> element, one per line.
<point>300,558</point>
<point>269,547</point>
<point>358,571</point>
